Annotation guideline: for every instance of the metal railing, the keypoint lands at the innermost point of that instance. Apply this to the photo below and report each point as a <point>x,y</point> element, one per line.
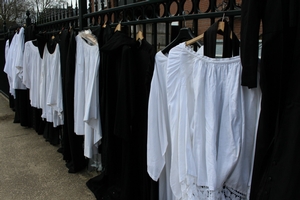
<point>153,17</point>
<point>159,20</point>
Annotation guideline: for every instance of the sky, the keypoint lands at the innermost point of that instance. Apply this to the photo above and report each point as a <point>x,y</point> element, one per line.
<point>74,2</point>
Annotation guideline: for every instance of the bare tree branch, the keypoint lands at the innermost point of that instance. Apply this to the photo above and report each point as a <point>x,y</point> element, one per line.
<point>14,11</point>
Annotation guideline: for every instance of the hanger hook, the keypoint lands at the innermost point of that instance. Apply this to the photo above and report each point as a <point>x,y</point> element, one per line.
<point>139,25</point>
<point>223,9</point>
<point>183,13</point>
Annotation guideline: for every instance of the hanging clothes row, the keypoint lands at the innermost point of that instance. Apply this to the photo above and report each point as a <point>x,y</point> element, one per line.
<point>43,73</point>
<point>126,72</point>
<point>277,161</point>
<point>98,100</point>
<point>201,122</point>
<point>167,125</point>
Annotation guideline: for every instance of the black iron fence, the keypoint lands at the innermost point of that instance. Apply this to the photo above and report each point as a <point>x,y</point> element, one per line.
<point>159,20</point>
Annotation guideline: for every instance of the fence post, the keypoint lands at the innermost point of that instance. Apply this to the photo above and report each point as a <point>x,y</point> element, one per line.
<point>4,26</point>
<point>28,19</point>
<point>82,11</point>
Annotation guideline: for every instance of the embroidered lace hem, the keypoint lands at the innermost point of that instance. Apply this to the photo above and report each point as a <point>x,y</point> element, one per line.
<point>193,192</point>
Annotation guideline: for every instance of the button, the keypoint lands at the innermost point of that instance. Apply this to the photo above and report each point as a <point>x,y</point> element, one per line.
<point>269,178</point>
<point>274,163</point>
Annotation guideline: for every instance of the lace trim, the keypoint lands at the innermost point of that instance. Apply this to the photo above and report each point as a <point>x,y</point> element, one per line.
<point>193,192</point>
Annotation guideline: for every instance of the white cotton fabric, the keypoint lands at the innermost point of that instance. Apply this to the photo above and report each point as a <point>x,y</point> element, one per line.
<point>51,87</point>
<point>213,122</point>
<point>32,65</point>
<point>9,63</point>
<point>14,61</point>
<point>6,49</point>
<point>86,95</point>
<point>159,140</point>
<point>7,68</point>
<point>17,57</point>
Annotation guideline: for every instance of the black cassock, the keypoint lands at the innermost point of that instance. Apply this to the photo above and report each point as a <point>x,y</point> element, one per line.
<point>72,144</point>
<point>127,69</point>
<point>276,171</point>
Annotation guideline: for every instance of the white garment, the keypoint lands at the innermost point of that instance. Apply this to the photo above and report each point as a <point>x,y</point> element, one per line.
<point>32,64</point>
<point>86,94</point>
<point>8,64</point>
<point>213,126</point>
<point>14,61</point>
<point>158,142</point>
<point>17,56</point>
<point>51,87</point>
<point>7,68</point>
<point>6,48</point>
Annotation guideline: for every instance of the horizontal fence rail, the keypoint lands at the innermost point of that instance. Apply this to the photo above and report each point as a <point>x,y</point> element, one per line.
<point>159,20</point>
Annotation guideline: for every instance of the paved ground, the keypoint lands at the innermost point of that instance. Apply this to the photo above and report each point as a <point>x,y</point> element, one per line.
<point>31,168</point>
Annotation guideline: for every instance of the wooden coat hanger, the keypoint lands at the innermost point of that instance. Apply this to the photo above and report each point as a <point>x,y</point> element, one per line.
<point>221,28</point>
<point>104,24</point>
<point>118,27</point>
<point>139,35</point>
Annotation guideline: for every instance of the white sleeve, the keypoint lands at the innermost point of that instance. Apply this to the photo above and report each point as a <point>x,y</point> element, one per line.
<point>54,97</point>
<point>79,92</point>
<point>42,87</point>
<point>6,49</point>
<point>20,54</point>
<point>27,67</point>
<point>91,110</point>
<point>158,123</point>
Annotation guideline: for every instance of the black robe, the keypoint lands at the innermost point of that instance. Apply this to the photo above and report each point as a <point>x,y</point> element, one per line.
<point>277,162</point>
<point>128,72</point>
<point>72,144</point>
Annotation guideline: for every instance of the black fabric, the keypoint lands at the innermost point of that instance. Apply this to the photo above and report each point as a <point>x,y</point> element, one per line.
<point>30,33</point>
<point>37,121</point>
<point>230,45</point>
<point>10,97</point>
<point>40,43</point>
<point>51,134</point>
<point>106,34</point>
<point>63,48</point>
<point>128,71</point>
<point>277,161</point>
<point>73,144</point>
<point>23,113</point>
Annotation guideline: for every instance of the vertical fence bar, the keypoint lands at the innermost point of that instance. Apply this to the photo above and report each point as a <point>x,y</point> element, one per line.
<point>145,31</point>
<point>66,11</point>
<point>154,36</point>
<point>212,9</point>
<point>82,11</point>
<point>96,6</point>
<point>102,4</point>
<point>232,4</point>
<point>76,14</point>
<point>4,26</point>
<point>28,19</point>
